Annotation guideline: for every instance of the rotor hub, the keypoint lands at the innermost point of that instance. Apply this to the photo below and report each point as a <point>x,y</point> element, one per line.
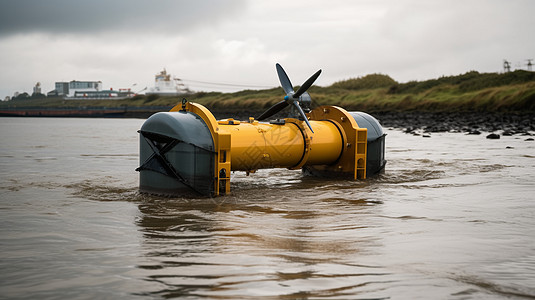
<point>300,100</point>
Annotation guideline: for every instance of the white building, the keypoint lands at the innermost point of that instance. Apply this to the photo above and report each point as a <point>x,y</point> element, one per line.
<point>75,90</point>
<point>80,87</point>
<point>166,86</point>
<point>74,87</point>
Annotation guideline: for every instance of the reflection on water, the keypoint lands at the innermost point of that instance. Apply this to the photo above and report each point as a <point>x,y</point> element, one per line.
<point>451,218</point>
<point>260,245</point>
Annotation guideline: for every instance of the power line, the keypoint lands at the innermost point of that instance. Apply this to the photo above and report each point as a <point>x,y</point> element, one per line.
<point>228,84</point>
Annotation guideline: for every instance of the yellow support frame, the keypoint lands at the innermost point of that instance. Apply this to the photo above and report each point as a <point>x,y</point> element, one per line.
<point>353,158</point>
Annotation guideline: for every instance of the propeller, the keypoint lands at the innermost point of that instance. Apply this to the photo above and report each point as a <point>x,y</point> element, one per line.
<point>291,98</point>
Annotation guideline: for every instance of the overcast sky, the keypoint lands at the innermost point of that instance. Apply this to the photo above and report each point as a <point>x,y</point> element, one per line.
<point>124,43</point>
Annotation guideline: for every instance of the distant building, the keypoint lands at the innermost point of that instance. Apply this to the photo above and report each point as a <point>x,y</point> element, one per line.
<point>105,94</point>
<point>37,89</point>
<point>52,93</point>
<point>69,89</point>
<point>166,86</point>
<point>87,90</point>
<point>62,89</point>
<point>80,87</point>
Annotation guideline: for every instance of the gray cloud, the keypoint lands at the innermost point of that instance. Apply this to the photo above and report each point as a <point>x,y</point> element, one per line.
<point>124,42</point>
<point>68,16</point>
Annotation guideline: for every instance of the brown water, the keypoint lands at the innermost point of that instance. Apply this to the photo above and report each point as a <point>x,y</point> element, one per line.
<point>453,217</point>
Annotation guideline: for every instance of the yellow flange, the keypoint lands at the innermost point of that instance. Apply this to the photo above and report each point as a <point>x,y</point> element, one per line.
<point>353,158</point>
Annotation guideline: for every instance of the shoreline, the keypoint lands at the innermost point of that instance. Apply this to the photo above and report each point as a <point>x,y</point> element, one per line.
<point>415,122</point>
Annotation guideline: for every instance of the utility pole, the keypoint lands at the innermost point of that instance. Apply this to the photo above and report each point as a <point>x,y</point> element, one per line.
<point>506,66</point>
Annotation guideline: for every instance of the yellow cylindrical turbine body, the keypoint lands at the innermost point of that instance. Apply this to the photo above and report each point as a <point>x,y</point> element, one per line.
<point>260,145</point>
<point>336,147</point>
<point>326,144</point>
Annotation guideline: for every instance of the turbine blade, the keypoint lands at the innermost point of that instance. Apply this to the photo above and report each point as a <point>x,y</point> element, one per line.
<point>284,80</point>
<point>307,84</point>
<point>273,110</point>
<point>302,113</point>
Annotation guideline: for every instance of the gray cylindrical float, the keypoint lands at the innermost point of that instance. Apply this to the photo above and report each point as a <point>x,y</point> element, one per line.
<point>176,155</point>
<point>375,159</point>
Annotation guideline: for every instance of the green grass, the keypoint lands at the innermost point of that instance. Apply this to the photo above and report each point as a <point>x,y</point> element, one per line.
<point>472,91</point>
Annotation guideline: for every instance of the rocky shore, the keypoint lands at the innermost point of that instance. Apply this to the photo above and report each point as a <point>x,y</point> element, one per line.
<point>492,124</point>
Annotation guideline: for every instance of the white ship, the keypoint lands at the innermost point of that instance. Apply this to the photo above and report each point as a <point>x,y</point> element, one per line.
<point>164,85</point>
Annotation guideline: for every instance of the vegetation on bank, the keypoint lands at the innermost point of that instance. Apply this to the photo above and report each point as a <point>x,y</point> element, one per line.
<point>472,91</point>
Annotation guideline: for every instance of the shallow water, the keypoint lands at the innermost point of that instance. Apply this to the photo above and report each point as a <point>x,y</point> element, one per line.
<point>452,217</point>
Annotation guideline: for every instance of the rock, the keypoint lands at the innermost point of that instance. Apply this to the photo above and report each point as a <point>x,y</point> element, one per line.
<point>493,136</point>
<point>529,140</point>
<point>507,133</point>
<point>409,130</point>
<point>473,131</point>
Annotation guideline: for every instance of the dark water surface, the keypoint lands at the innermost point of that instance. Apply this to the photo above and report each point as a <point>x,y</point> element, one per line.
<point>453,217</point>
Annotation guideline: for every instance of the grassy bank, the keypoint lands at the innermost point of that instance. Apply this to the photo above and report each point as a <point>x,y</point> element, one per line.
<point>469,92</point>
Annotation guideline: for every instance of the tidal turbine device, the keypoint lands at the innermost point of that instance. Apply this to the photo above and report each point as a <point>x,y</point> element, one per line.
<point>187,150</point>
